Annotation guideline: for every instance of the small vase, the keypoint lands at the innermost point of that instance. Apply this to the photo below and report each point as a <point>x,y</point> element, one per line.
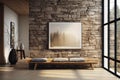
<point>13,57</point>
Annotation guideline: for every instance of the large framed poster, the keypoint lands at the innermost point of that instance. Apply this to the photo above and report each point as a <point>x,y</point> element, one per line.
<point>65,35</point>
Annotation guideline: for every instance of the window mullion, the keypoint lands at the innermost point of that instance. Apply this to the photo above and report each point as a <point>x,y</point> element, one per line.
<point>102,33</point>
<point>108,35</point>
<point>115,36</point>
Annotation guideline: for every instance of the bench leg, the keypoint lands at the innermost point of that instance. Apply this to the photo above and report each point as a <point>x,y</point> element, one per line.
<point>91,65</point>
<point>35,66</point>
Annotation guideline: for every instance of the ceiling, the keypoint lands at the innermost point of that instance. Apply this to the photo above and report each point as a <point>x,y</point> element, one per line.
<point>21,7</point>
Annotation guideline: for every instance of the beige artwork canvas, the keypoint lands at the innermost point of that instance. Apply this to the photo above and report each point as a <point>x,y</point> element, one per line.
<point>65,35</point>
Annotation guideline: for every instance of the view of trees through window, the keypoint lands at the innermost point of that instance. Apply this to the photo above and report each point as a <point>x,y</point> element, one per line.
<point>111,27</point>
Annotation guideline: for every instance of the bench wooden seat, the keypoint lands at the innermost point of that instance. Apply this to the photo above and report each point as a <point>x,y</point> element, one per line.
<point>89,62</point>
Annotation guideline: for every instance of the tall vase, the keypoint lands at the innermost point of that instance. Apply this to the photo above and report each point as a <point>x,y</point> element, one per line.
<point>13,57</point>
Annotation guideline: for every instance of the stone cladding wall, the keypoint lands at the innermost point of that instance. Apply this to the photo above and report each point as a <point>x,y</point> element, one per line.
<point>88,12</point>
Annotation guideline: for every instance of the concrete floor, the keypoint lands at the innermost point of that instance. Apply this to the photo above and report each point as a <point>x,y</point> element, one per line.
<point>10,73</point>
<point>21,72</point>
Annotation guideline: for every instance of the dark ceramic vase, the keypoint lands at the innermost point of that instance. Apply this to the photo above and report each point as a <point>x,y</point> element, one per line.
<point>13,57</point>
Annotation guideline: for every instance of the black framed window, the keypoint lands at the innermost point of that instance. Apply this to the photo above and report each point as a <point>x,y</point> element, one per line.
<point>111,36</point>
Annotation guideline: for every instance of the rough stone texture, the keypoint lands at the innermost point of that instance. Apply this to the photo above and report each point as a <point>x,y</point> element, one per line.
<point>88,12</point>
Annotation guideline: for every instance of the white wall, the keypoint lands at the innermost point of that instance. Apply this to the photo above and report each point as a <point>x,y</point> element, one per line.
<point>24,33</point>
<point>9,15</point>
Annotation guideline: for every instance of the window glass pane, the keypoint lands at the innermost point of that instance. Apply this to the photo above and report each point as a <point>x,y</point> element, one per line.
<point>106,40</point>
<point>112,40</point>
<point>118,8</point>
<point>118,68</point>
<point>106,63</point>
<point>118,40</point>
<point>112,9</point>
<point>105,11</point>
<point>112,67</point>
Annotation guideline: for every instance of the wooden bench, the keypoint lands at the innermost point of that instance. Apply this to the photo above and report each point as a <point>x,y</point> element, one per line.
<point>87,61</point>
